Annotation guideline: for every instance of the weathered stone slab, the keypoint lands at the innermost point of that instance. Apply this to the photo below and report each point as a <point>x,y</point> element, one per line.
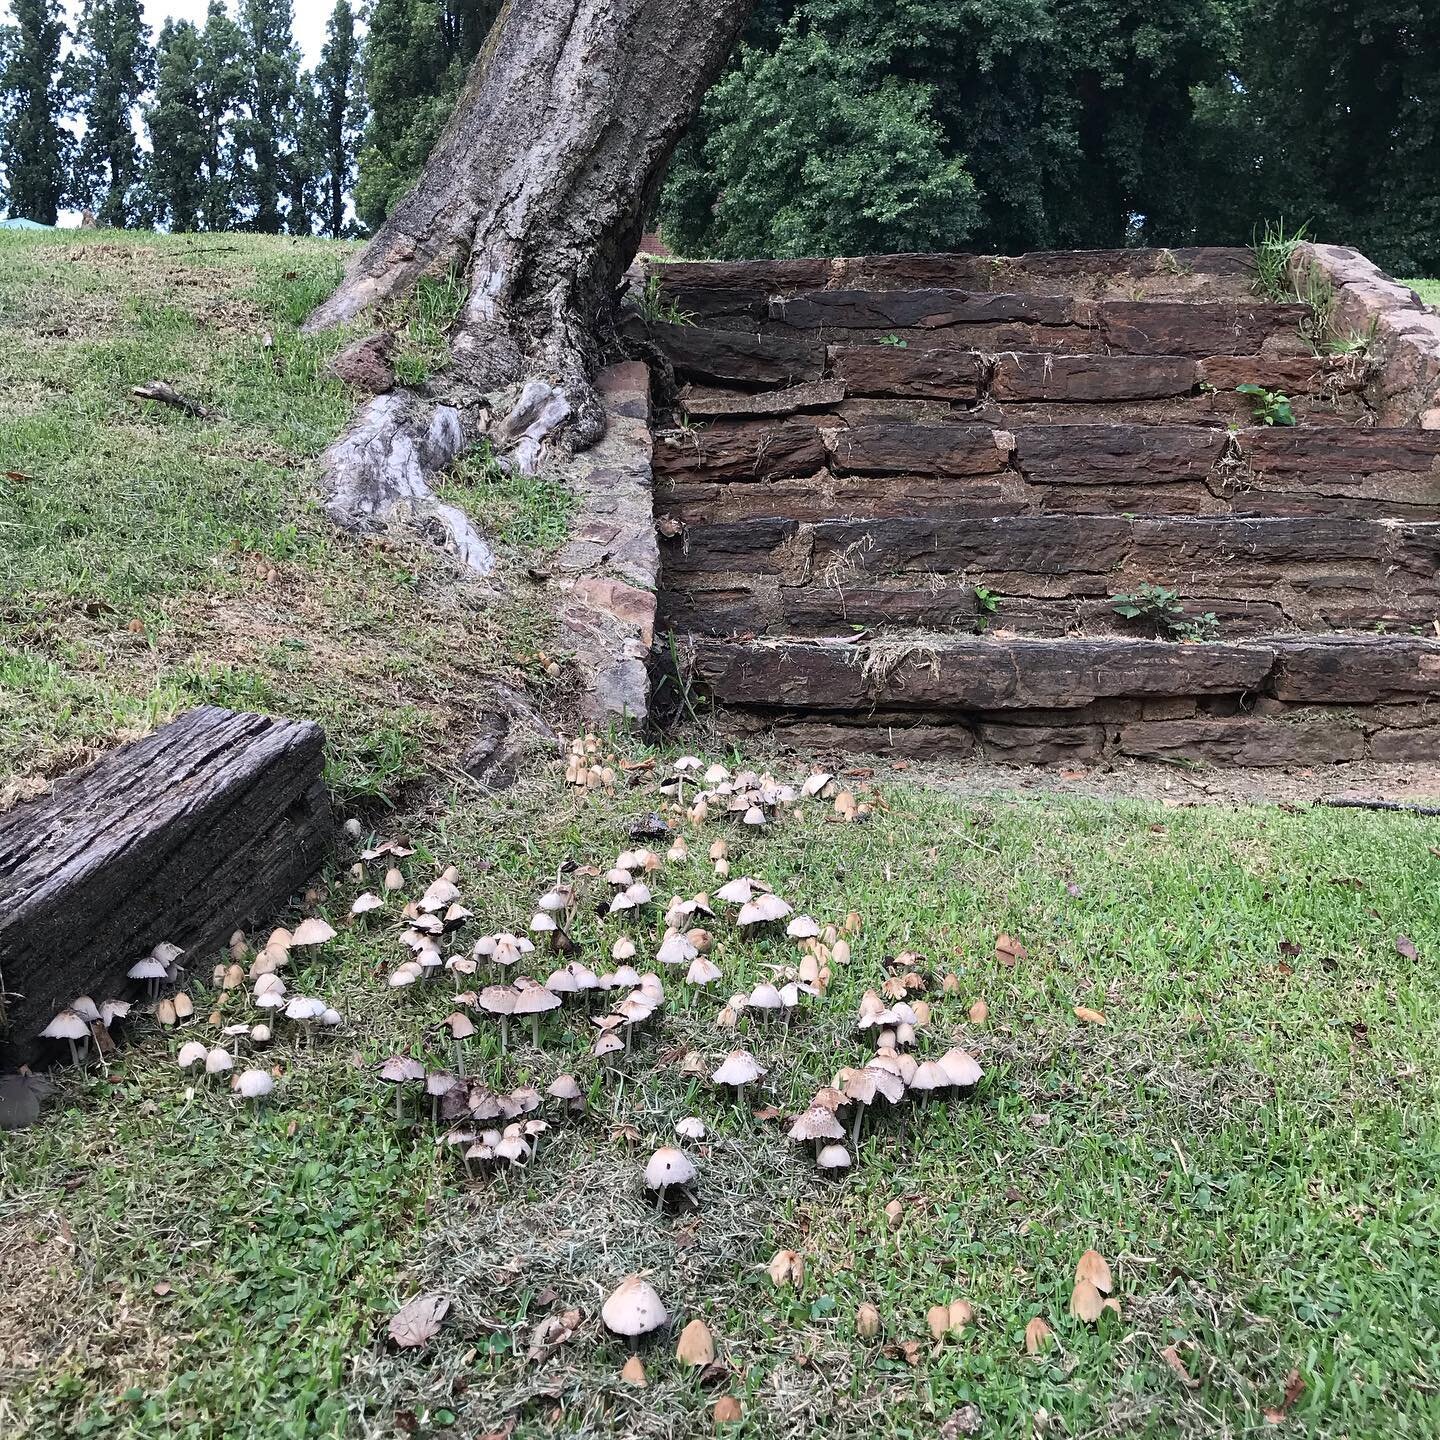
<point>740,357</point>
<point>1199,328</point>
<point>751,545</point>
<point>1096,454</point>
<point>814,395</point>
<point>1402,464</point>
<point>207,826</point>
<point>980,674</point>
<point>1247,740</point>
<point>737,450</point>
<point>917,309</point>
<point>1088,378</point>
<point>1029,544</point>
<point>900,449</point>
<point>935,373</point>
<point>1296,375</point>
<point>1355,670</point>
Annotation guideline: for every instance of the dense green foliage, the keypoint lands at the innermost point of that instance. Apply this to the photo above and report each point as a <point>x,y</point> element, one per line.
<point>1004,125</point>
<point>416,56</point>
<point>840,125</point>
<point>111,66</point>
<point>34,146</point>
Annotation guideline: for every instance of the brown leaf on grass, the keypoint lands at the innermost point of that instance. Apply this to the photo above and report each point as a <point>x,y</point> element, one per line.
<point>418,1321</point>
<point>1037,1336</point>
<point>551,1333</point>
<point>965,1421</point>
<point>1086,1302</point>
<point>979,1012</point>
<point>1289,949</point>
<point>1089,1016</point>
<point>1008,950</point>
<point>727,1410</point>
<point>1406,946</point>
<point>1171,1356</point>
<point>1294,1389</point>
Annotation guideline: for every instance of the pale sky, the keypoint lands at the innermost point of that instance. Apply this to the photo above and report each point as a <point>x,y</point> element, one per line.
<point>310,18</point>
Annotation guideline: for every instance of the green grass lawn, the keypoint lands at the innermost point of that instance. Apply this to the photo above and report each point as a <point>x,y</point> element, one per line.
<point>1429,290</point>
<point>150,561</point>
<point>1252,1141</point>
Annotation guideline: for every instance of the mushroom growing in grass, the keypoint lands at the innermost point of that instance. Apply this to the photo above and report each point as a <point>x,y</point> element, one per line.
<point>461,1029</point>
<point>500,1001</point>
<point>313,931</point>
<point>765,999</point>
<point>668,1169</point>
<point>69,1026</point>
<point>305,1011</point>
<point>567,1089</point>
<point>703,971</point>
<point>961,1067</point>
<point>802,927</point>
<point>739,1069</point>
<point>762,910</point>
<point>502,947</point>
<point>929,1078</point>
<point>400,1071</point>
<point>532,1002</point>
<point>816,1125</point>
<point>218,1062</point>
<point>254,1085</point>
<point>633,1309</point>
<point>365,903</point>
<point>833,1159</point>
<point>437,1086</point>
<point>690,1128</point>
<point>152,971</point>
<point>608,1044</point>
<point>675,949</point>
<point>192,1053</point>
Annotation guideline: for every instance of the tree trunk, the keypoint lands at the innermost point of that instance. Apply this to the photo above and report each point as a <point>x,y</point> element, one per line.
<point>535,195</point>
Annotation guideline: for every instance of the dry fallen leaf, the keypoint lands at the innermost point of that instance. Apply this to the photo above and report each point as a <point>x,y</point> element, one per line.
<point>418,1321</point>
<point>1294,1389</point>
<point>787,1267</point>
<point>1406,946</point>
<point>1008,950</point>
<point>1089,1016</point>
<point>551,1333</point>
<point>1171,1356</point>
<point>1037,1336</point>
<point>1086,1302</point>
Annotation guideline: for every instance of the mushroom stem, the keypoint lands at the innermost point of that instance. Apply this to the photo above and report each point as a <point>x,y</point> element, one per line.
<point>74,1053</point>
<point>855,1128</point>
<point>460,1057</point>
<point>398,1097</point>
<point>504,1033</point>
<point>435,1110</point>
<point>535,1031</point>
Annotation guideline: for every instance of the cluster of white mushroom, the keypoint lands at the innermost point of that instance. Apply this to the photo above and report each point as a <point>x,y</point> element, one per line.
<point>75,1024</point>
<point>426,923</point>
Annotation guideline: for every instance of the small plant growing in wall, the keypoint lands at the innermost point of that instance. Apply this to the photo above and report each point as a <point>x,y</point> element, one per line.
<point>1267,407</point>
<point>1159,610</point>
<point>895,342</point>
<point>658,310</point>
<point>987,603</point>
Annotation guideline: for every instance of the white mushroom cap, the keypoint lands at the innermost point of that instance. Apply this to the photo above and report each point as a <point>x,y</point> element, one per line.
<point>218,1061</point>
<point>167,953</point>
<point>254,1084</point>
<point>633,1308</point>
<point>736,892</point>
<point>703,971</point>
<point>499,999</point>
<point>560,898</point>
<point>961,1067</point>
<point>690,1128</point>
<point>765,997</point>
<point>313,931</point>
<point>668,1166</point>
<point>675,949</point>
<point>400,1068</point>
<point>66,1025</point>
<point>929,1076</point>
<point>802,927</point>
<point>85,1008</point>
<point>833,1157</point>
<point>113,1010</point>
<point>438,895</point>
<point>366,903</point>
<point>535,1000</point>
<point>739,1067</point>
<point>192,1053</point>
<point>817,1123</point>
<point>762,910</point>
<point>305,1007</point>
<point>541,923</point>
<point>331,1019</point>
<point>267,982</point>
<point>564,1087</point>
<point>608,1043</point>
<point>260,1034</point>
<point>403,975</point>
<point>148,969</point>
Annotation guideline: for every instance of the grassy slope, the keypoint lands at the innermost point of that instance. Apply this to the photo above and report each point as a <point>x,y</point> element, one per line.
<point>150,561</point>
<point>1252,1141</point>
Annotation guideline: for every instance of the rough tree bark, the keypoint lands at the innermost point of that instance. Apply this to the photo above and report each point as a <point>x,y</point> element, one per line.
<point>535,194</point>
